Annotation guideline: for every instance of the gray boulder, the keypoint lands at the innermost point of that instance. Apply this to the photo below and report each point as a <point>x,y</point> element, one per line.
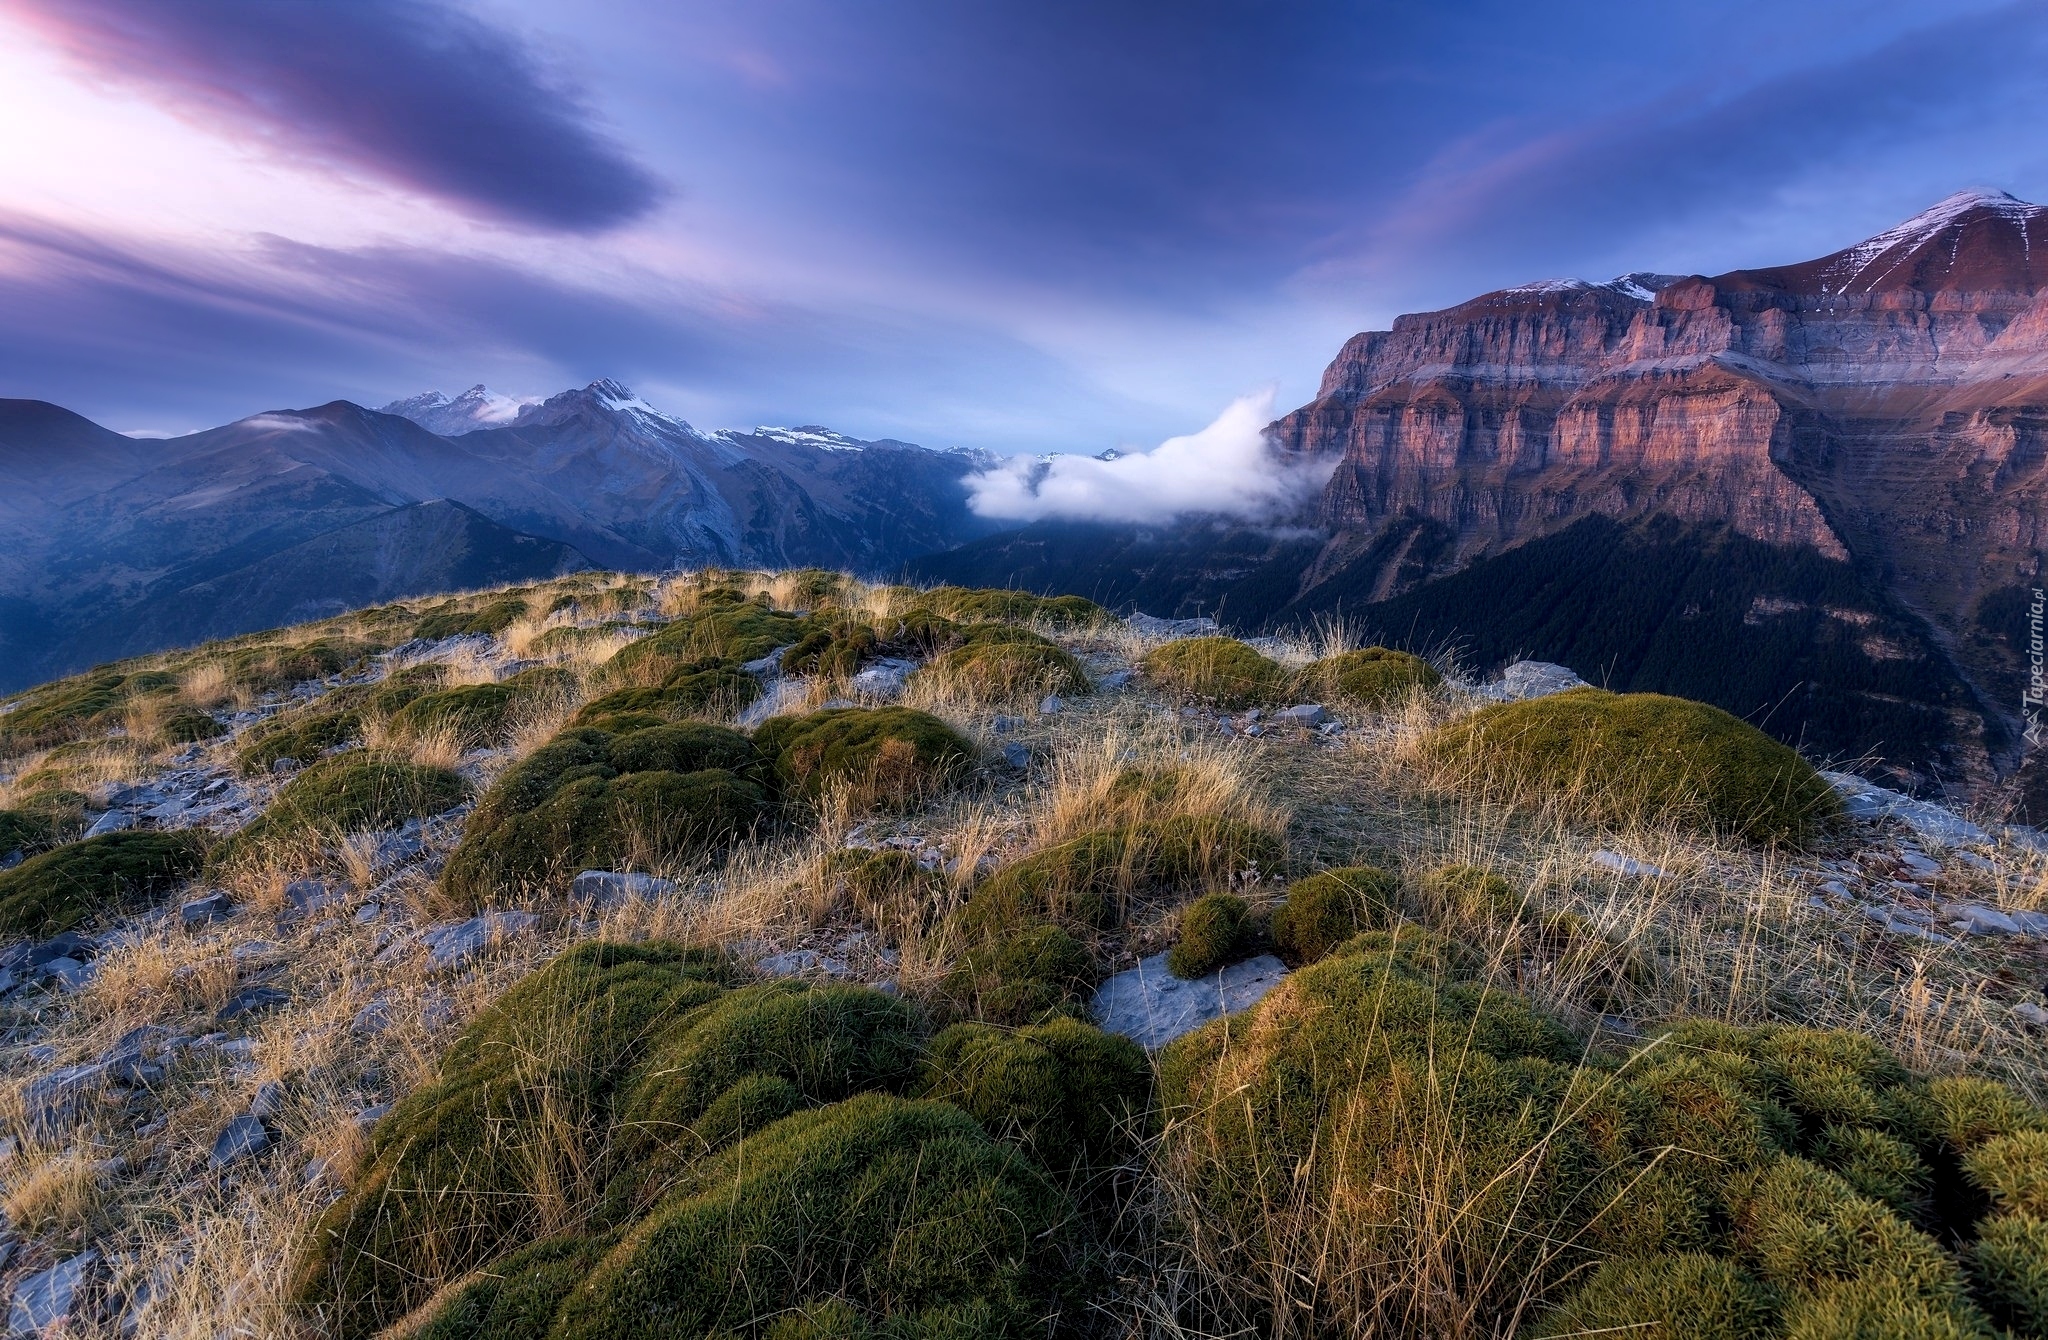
<point>113,821</point>
<point>199,911</point>
<point>250,1000</point>
<point>244,1137</point>
<point>50,1102</point>
<point>883,680</point>
<point>454,943</point>
<point>1977,919</point>
<point>1530,679</point>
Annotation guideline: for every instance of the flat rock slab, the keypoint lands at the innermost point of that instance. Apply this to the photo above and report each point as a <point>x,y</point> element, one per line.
<point>801,962</point>
<point>1628,865</point>
<point>250,1000</point>
<point>1153,626</point>
<point>781,695</point>
<point>616,886</point>
<point>1932,823</point>
<point>44,1299</point>
<point>1152,1007</point>
<point>454,943</point>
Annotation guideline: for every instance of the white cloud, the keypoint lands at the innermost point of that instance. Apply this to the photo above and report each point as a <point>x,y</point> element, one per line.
<point>1227,469</point>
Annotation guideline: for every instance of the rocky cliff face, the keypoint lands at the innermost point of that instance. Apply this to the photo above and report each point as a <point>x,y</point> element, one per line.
<point>1885,406</point>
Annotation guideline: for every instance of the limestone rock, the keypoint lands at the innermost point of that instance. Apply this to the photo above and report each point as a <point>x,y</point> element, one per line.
<point>613,886</point>
<point>45,1299</point>
<point>1151,1006</point>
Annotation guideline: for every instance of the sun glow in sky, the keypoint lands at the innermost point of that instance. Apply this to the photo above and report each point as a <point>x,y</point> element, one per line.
<point>1026,226</point>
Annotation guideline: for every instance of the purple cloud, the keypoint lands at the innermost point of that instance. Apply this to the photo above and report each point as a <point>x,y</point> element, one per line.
<point>417,93</point>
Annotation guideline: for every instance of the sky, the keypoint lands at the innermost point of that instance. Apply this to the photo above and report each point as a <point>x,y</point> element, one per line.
<point>1023,225</point>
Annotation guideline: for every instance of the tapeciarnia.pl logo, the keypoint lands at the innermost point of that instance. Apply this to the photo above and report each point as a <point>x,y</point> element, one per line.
<point>2037,682</point>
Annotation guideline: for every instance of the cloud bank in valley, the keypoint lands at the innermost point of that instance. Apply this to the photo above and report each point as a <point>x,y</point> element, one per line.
<point>1228,469</point>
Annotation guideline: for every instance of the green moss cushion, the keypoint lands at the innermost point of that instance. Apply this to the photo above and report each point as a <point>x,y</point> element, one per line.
<point>1020,976</point>
<point>1065,1091</point>
<point>305,737</point>
<point>451,620</point>
<point>67,708</point>
<point>1325,909</point>
<point>1670,1296</point>
<point>738,631</point>
<point>1004,670</point>
<point>349,793</point>
<point>877,1212</point>
<point>697,688</point>
<point>521,1100</point>
<point>887,755</point>
<point>191,727</point>
<point>70,885</point>
<point>1216,929</point>
<point>1723,1181</point>
<point>2009,1265</point>
<point>25,830</point>
<point>1372,676</point>
<point>697,1136</point>
<point>1643,756</point>
<point>639,798</point>
<point>1084,883</point>
<point>1218,670</point>
<point>972,606</point>
<point>835,649</point>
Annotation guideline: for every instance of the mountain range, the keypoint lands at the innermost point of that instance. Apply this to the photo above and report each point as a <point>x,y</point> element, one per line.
<point>111,545</point>
<point>1811,493</point>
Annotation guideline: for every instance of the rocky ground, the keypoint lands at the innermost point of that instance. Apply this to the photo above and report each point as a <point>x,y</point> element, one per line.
<point>188,1083</point>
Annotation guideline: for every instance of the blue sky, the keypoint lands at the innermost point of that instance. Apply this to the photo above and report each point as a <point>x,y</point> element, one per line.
<point>1026,226</point>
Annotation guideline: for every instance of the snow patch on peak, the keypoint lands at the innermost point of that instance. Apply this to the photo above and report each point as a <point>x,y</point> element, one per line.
<point>811,435</point>
<point>1923,228</point>
<point>617,395</point>
<point>478,407</point>
<point>1563,284</point>
<point>1640,285</point>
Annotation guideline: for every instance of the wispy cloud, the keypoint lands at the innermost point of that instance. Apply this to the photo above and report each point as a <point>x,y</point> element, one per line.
<point>1227,469</point>
<point>414,92</point>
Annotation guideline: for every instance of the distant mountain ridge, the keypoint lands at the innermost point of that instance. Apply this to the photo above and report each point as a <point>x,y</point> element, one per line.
<point>111,546</point>
<point>1881,411</point>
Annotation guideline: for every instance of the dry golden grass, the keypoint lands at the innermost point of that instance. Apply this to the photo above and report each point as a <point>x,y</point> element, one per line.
<point>162,974</point>
<point>207,685</point>
<point>1118,776</point>
<point>55,1195</point>
<point>86,766</point>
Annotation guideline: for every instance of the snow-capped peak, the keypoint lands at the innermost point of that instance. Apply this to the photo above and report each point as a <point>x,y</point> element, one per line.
<point>1922,228</point>
<point>478,407</point>
<point>614,395</point>
<point>1640,285</point>
<point>607,397</point>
